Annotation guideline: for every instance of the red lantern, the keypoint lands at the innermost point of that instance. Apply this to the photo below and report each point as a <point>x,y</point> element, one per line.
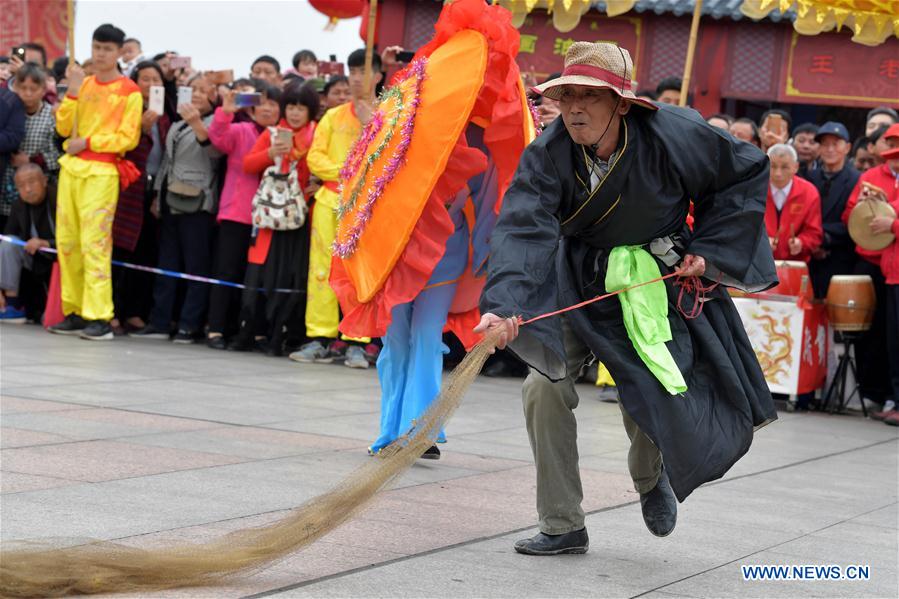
<point>337,9</point>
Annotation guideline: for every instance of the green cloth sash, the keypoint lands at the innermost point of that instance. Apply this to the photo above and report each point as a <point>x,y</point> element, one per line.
<point>645,311</point>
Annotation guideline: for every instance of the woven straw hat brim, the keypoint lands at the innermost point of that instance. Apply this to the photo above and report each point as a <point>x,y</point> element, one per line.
<point>553,89</point>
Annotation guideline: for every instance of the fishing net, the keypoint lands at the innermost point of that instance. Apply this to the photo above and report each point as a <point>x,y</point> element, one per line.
<point>38,570</point>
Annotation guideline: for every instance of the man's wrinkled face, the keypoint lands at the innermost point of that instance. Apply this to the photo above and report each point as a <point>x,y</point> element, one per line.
<point>265,71</point>
<point>833,150</point>
<point>587,112</point>
<point>806,146</point>
<point>783,167</point>
<point>31,184</point>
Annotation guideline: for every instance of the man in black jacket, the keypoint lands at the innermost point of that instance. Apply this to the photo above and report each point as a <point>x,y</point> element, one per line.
<point>599,203</point>
<point>835,180</point>
<point>25,271</point>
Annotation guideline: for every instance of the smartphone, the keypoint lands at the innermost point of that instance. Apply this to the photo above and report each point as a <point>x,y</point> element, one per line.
<point>185,95</point>
<point>329,68</point>
<point>405,56</point>
<point>284,135</point>
<point>221,77</point>
<point>776,124</point>
<point>157,99</point>
<point>179,62</point>
<point>246,100</point>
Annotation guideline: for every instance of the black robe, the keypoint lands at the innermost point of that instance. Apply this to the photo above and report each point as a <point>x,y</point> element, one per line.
<point>550,247</point>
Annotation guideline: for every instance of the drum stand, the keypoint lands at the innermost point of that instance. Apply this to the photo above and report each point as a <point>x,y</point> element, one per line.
<point>840,379</point>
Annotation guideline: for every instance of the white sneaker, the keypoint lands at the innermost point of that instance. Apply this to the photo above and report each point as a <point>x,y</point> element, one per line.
<point>355,358</point>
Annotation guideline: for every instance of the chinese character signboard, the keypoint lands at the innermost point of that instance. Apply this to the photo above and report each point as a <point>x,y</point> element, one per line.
<point>543,47</point>
<point>830,69</point>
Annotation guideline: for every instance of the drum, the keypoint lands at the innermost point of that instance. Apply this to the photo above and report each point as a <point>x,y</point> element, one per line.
<point>850,302</point>
<point>790,274</point>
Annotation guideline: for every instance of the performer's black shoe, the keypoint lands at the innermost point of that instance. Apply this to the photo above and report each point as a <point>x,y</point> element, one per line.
<point>431,453</point>
<point>660,507</point>
<point>544,544</point>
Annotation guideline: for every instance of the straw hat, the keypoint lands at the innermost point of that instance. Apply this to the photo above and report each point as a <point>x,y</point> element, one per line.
<point>601,65</point>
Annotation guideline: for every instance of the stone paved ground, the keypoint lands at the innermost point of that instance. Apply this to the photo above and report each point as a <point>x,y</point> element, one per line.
<point>146,442</point>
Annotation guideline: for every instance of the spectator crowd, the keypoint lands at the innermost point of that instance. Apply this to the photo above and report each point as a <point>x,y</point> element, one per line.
<point>177,179</point>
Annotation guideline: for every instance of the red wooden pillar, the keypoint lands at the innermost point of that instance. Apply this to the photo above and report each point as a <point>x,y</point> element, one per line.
<point>709,66</point>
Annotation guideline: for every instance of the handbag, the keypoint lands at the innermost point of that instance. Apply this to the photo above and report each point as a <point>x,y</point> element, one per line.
<point>184,198</point>
<point>279,203</point>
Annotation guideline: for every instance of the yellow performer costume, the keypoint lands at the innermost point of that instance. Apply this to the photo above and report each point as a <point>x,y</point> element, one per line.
<point>108,117</point>
<point>334,136</point>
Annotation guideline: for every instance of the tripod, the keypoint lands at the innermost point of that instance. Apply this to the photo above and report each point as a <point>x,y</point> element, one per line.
<point>840,380</point>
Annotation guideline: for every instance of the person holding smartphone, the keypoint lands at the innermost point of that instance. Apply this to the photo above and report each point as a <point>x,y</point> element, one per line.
<point>187,188</point>
<point>235,228</point>
<point>279,259</point>
<point>135,228</point>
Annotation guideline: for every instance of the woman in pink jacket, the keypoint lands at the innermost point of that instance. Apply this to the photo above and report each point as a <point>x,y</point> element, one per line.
<point>236,140</point>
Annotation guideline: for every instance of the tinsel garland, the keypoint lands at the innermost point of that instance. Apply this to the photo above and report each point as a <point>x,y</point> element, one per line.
<point>394,93</point>
<point>344,249</point>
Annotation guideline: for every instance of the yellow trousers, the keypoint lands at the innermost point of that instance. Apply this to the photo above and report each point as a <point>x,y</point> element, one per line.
<point>84,214</point>
<point>322,308</point>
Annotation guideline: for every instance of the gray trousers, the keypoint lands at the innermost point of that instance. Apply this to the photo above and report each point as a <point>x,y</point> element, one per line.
<point>552,430</point>
<point>12,260</point>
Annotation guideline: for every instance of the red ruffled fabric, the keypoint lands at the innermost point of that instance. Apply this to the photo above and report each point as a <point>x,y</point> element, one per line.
<point>500,107</point>
<point>499,102</point>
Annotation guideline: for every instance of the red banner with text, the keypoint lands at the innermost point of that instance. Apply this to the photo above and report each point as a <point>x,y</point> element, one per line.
<point>543,47</point>
<point>831,69</point>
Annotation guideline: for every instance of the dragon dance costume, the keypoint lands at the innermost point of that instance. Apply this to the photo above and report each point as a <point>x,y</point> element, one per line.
<point>421,190</point>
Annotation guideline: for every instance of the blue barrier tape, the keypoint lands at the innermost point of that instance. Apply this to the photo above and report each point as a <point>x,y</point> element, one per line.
<point>164,272</point>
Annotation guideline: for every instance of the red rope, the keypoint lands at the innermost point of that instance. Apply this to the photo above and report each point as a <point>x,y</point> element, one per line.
<point>694,285</point>
<point>599,298</point>
<point>687,285</point>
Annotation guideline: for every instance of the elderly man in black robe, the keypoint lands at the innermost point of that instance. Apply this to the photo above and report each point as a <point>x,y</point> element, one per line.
<point>600,203</point>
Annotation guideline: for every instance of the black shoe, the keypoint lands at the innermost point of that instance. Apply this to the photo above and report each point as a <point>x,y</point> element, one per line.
<point>217,342</point>
<point>97,330</point>
<point>660,507</point>
<point>543,544</point>
<point>431,453</point>
<point>241,344</point>
<point>183,337</point>
<point>72,325</point>
<point>149,332</point>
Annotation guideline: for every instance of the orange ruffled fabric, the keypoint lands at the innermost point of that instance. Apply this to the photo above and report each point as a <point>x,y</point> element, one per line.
<point>502,110</point>
<point>424,250</point>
